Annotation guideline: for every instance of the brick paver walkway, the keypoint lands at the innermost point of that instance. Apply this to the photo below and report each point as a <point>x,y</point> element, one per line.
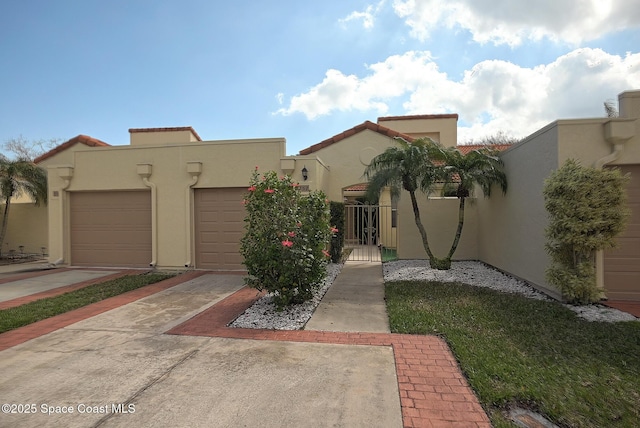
<point>433,391</point>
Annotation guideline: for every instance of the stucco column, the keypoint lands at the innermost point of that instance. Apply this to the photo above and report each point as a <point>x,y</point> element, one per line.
<point>66,174</point>
<point>194,169</point>
<point>144,171</point>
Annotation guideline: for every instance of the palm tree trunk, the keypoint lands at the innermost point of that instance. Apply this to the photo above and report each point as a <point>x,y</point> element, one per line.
<point>423,232</point>
<point>456,240</point>
<point>5,220</point>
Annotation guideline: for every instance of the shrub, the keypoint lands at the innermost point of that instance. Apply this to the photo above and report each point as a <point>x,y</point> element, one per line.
<point>586,212</point>
<point>284,246</point>
<point>337,240</point>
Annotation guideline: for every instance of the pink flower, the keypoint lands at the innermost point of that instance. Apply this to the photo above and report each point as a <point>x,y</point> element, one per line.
<point>299,224</point>
<point>252,189</point>
<point>326,253</point>
<point>291,234</point>
<point>334,230</point>
<point>256,167</point>
<point>269,190</point>
<point>245,202</point>
<point>287,243</point>
<point>294,184</point>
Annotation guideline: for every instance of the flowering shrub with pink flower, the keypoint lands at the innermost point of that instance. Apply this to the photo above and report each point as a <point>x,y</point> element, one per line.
<point>287,233</point>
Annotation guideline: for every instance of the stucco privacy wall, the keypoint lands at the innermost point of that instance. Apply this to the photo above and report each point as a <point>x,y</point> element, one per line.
<point>27,227</point>
<point>223,164</point>
<point>440,219</point>
<point>511,228</point>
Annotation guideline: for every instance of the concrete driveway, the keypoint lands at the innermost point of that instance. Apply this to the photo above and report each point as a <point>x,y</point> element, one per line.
<point>120,369</point>
<point>162,355</point>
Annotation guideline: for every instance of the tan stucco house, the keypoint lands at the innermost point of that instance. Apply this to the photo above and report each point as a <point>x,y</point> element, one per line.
<point>172,200</point>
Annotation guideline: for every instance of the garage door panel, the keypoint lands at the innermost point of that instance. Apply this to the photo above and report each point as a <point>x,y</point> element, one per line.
<point>111,228</point>
<point>622,264</point>
<point>219,226</point>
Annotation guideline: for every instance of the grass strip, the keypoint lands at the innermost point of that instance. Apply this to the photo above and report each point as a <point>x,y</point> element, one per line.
<point>534,354</point>
<point>28,313</point>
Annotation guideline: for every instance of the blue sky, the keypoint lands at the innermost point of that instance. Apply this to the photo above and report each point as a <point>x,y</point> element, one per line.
<point>308,70</point>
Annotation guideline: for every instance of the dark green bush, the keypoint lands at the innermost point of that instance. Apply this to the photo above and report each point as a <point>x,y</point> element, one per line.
<point>337,240</point>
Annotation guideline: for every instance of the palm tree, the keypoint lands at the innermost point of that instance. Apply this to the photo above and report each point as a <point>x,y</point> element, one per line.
<point>405,167</point>
<point>463,173</point>
<point>422,164</point>
<point>17,177</point>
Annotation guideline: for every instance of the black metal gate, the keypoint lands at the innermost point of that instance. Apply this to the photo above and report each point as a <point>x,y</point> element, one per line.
<point>370,232</point>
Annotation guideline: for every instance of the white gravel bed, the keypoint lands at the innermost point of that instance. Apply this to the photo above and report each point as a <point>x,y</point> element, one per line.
<point>481,275</point>
<point>263,314</point>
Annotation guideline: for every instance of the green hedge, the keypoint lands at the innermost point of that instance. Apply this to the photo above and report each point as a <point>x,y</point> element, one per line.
<point>337,240</point>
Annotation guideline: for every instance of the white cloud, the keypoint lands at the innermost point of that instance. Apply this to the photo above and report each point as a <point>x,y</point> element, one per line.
<point>492,96</point>
<point>367,17</point>
<point>397,75</point>
<point>512,21</point>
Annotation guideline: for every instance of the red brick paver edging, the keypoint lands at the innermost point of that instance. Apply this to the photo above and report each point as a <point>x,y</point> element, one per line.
<point>433,390</point>
<point>626,306</point>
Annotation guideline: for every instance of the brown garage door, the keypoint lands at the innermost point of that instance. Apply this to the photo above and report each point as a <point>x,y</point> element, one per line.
<point>622,265</point>
<point>219,226</point>
<point>111,228</point>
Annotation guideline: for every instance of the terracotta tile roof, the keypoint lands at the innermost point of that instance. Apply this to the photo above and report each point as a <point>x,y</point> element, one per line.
<point>466,148</point>
<point>357,188</point>
<point>353,131</point>
<point>175,128</point>
<point>84,139</point>
<point>420,116</point>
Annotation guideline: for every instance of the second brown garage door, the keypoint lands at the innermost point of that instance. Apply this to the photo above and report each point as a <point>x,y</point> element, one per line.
<point>111,228</point>
<point>622,265</point>
<point>219,226</point>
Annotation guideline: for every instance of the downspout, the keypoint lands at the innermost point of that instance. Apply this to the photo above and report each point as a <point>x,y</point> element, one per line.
<point>617,132</point>
<point>614,155</point>
<point>66,174</point>
<point>144,171</point>
<point>195,169</point>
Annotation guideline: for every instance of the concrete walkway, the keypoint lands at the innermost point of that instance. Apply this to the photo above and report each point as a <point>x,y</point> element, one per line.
<point>163,356</point>
<point>355,301</point>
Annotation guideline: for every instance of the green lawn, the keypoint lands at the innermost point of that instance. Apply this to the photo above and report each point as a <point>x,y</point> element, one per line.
<point>538,355</point>
<point>45,308</point>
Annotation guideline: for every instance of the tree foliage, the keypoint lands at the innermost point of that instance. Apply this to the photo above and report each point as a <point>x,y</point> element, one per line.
<point>500,137</point>
<point>284,246</point>
<point>18,177</point>
<point>22,148</point>
<point>587,211</point>
<point>337,240</point>
<point>420,165</point>
<point>405,167</point>
<point>463,173</point>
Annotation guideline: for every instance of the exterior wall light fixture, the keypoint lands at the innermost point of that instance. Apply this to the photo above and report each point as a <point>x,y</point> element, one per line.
<point>305,173</point>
